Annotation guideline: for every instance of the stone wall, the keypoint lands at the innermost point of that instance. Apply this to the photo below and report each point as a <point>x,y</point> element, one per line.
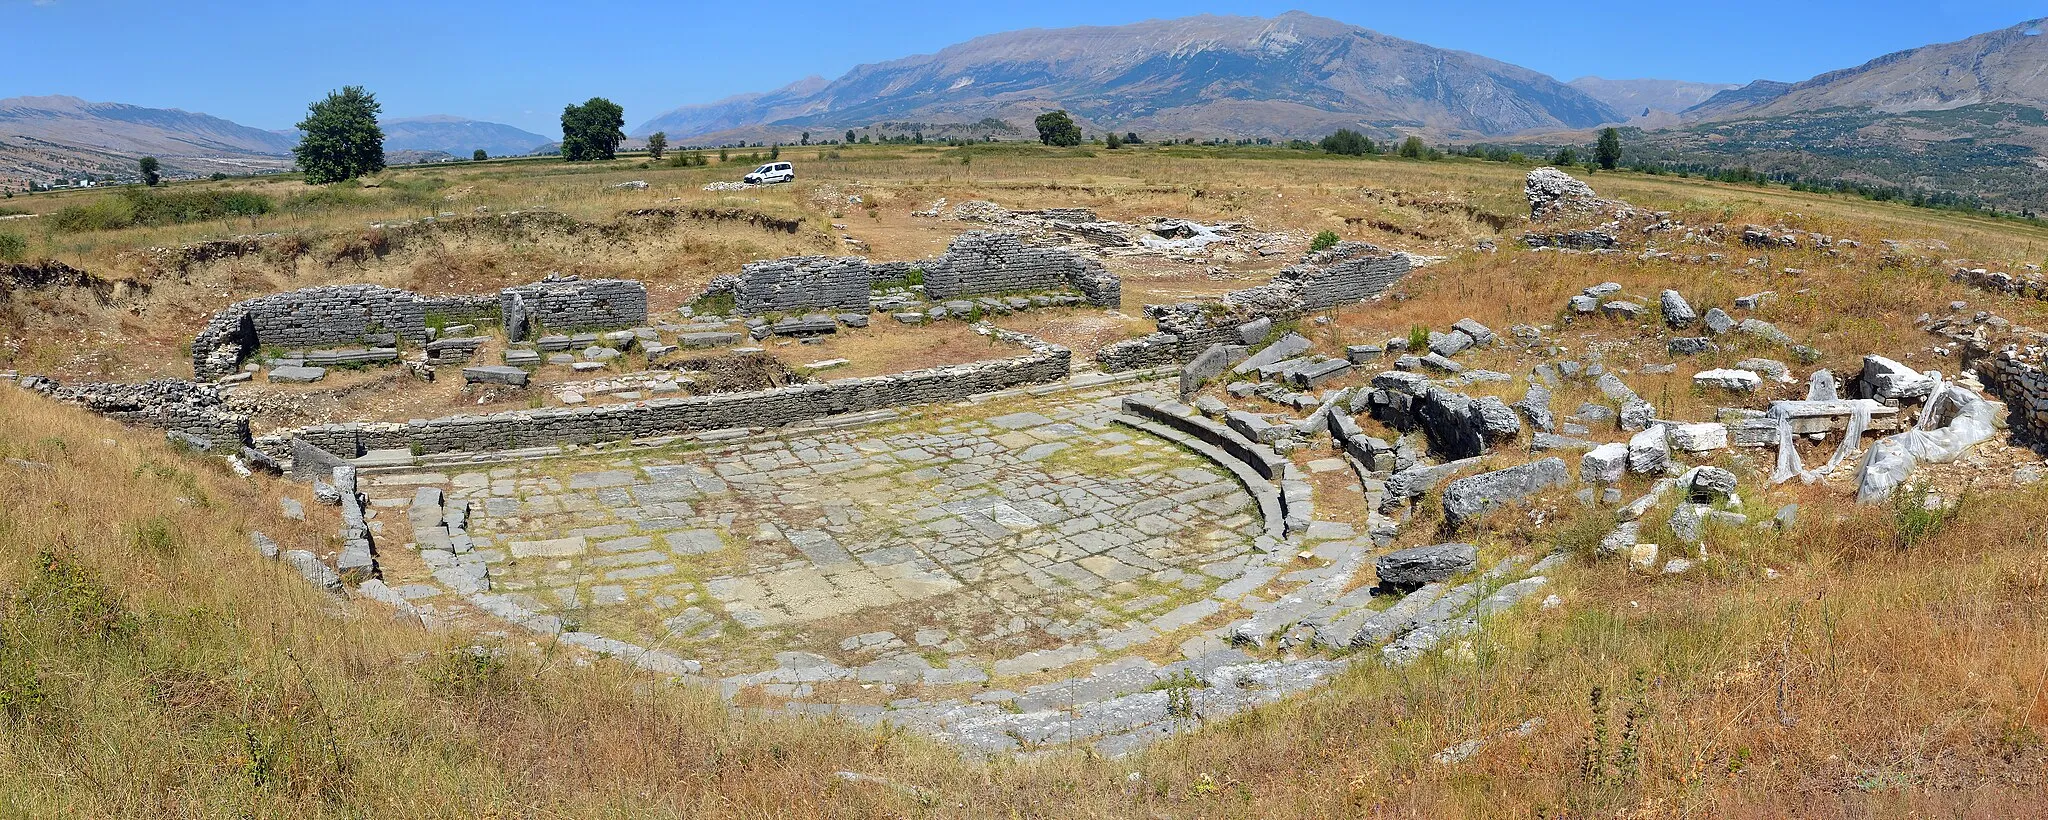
<point>2019,376</point>
<point>192,410</point>
<point>1348,272</point>
<point>805,283</point>
<point>308,317</point>
<point>568,303</point>
<point>766,408</point>
<point>323,316</point>
<point>985,262</point>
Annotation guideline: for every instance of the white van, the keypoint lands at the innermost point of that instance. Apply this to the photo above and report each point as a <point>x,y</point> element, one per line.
<point>771,173</point>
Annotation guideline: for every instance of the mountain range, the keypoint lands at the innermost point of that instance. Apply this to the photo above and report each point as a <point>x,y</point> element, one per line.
<point>1968,117</point>
<point>1295,75</point>
<point>57,137</point>
<point>1963,116</point>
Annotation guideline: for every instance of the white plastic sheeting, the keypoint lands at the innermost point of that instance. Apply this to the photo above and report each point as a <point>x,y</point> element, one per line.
<point>1788,454</point>
<point>1892,459</point>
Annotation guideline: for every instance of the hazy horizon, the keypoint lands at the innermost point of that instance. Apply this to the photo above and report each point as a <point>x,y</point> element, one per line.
<point>519,63</point>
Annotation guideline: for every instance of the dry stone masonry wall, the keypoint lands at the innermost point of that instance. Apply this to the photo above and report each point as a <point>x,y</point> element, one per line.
<point>805,283</point>
<point>191,412</point>
<point>1348,272</point>
<point>977,263</point>
<point>339,314</point>
<point>766,408</point>
<point>984,262</point>
<point>356,314</point>
<point>569,303</point>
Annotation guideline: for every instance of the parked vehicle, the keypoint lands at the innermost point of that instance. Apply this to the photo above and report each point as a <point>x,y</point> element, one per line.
<point>771,173</point>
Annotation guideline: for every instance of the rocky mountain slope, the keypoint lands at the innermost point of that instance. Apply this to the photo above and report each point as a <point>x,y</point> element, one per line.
<point>2005,66</point>
<point>49,138</point>
<point>45,138</point>
<point>1295,75</point>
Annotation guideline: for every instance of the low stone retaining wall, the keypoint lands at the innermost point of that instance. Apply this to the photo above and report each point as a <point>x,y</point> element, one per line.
<point>358,314</point>
<point>1349,272</point>
<point>572,304</point>
<point>805,283</point>
<point>192,412</point>
<point>984,262</point>
<point>977,263</point>
<point>766,408</point>
<point>2019,376</point>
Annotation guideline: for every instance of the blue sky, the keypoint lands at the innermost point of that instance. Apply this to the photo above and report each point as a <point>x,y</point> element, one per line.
<point>259,62</point>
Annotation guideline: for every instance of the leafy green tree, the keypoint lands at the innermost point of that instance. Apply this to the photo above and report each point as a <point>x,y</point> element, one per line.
<point>480,155</point>
<point>1608,152</point>
<point>1131,138</point>
<point>339,138</point>
<point>1347,142</point>
<point>1566,157</point>
<point>592,131</point>
<point>805,139</point>
<point>775,152</point>
<point>1113,141</point>
<point>149,171</point>
<point>1057,129</point>
<point>849,136</point>
<point>657,144</point>
<point>1413,148</point>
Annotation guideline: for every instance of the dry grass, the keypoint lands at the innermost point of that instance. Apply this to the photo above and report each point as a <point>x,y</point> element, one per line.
<point>1882,675</point>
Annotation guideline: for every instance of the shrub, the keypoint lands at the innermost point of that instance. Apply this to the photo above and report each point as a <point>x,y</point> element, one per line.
<point>1347,142</point>
<point>1324,241</point>
<point>138,206</point>
<point>13,248</point>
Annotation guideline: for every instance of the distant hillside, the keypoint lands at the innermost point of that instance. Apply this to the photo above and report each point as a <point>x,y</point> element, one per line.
<point>1637,98</point>
<point>1736,100</point>
<point>1295,75</point>
<point>47,138</point>
<point>2005,66</point>
<point>458,136</point>
<point>131,129</point>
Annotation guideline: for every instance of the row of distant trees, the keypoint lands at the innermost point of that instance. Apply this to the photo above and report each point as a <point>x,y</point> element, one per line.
<point>340,139</point>
<point>1057,129</point>
<point>1606,152</point>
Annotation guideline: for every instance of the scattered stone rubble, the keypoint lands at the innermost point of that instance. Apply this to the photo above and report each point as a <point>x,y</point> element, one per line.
<point>1169,236</point>
<point>1348,272</point>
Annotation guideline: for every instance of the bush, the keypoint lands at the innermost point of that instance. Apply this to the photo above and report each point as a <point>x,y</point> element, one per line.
<point>136,206</point>
<point>13,248</point>
<point>1347,142</point>
<point>1323,241</point>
